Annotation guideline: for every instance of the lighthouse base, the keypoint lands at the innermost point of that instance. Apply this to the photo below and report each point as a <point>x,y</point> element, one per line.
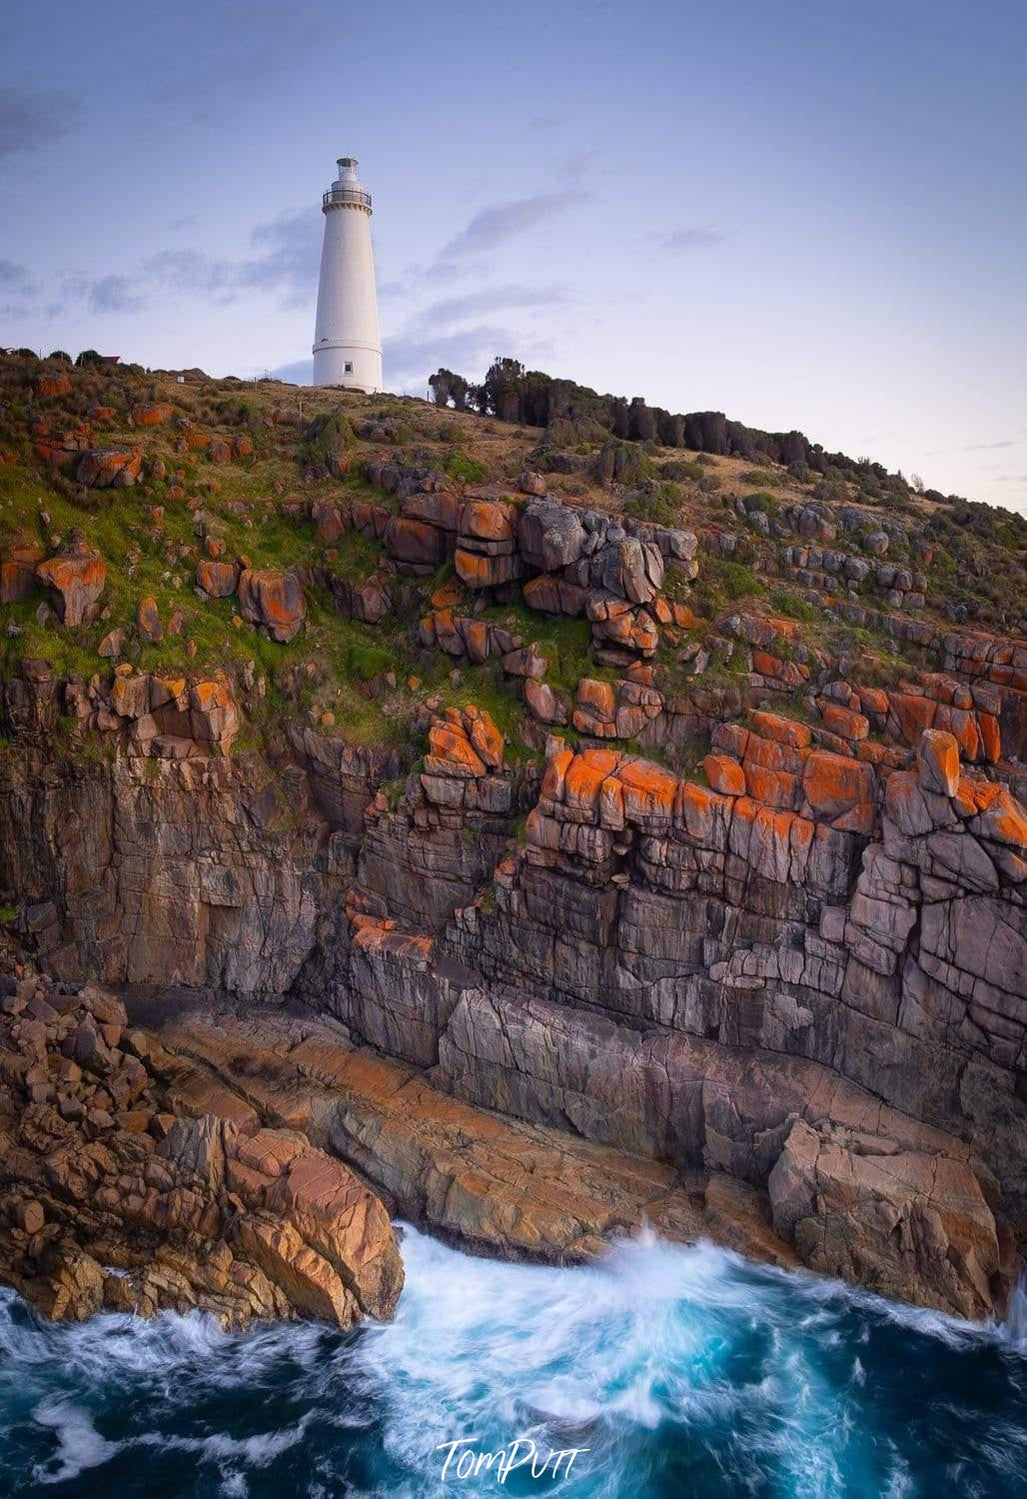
<point>352,368</point>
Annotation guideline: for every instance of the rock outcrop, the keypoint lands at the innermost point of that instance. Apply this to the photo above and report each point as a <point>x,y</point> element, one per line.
<point>77,575</point>
<point>111,1197</point>
<point>692,973</point>
<point>273,599</point>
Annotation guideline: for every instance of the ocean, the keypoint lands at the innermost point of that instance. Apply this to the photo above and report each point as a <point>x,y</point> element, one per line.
<point>664,1370</point>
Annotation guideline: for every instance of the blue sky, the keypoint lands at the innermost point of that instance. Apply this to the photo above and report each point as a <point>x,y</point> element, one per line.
<point>809,215</point>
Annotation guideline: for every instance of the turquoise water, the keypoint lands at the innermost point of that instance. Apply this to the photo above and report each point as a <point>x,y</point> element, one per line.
<point>682,1371</point>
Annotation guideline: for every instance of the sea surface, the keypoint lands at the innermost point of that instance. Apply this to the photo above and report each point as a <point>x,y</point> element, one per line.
<point>682,1371</point>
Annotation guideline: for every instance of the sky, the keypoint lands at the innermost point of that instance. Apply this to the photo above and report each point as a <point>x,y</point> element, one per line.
<point>806,215</point>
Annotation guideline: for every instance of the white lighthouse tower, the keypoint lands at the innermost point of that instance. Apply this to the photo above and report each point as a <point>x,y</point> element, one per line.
<point>347,343</point>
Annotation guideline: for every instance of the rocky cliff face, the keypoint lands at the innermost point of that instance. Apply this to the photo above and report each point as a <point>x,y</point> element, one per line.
<point>754,925</point>
<point>834,1015</point>
<point>822,999</point>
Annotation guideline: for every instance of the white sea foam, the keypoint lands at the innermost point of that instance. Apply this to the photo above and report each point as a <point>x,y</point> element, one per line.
<point>79,1444</point>
<point>751,1372</point>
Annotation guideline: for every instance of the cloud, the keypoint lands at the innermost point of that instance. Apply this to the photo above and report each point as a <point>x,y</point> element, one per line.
<point>15,280</point>
<point>28,121</point>
<point>412,356</point>
<point>114,294</point>
<point>455,309</point>
<point>286,262</point>
<point>691,237</point>
<point>101,294</point>
<point>987,447</point>
<point>504,221</point>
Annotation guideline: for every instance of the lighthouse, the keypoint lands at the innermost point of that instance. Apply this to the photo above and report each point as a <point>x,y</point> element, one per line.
<point>347,343</point>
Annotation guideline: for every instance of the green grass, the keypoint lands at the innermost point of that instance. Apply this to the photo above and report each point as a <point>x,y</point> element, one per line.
<point>458,466</point>
<point>564,642</point>
<point>661,505</point>
<point>790,604</point>
<point>722,582</point>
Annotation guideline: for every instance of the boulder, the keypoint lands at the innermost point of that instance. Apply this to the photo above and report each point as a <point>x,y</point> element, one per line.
<point>725,775</point>
<point>897,1218</point>
<point>77,574</point>
<point>543,702</point>
<point>550,535</point>
<point>480,570</point>
<point>417,542</point>
<point>273,599</point>
<point>156,415</point>
<point>148,620</point>
<point>110,468</point>
<point>112,644</point>
<point>218,579</point>
<point>49,386</point>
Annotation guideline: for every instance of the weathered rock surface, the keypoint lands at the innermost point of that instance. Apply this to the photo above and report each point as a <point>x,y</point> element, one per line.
<point>110,468</point>
<point>77,574</point>
<point>687,973</point>
<point>679,972</point>
<point>122,1186</point>
<point>487,1181</point>
<point>272,599</point>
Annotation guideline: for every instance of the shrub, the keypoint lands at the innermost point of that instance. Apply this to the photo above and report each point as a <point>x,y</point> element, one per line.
<point>762,501</point>
<point>458,466</point>
<point>790,605</point>
<point>658,503</point>
<point>682,469</point>
<point>324,436</point>
<point>721,581</point>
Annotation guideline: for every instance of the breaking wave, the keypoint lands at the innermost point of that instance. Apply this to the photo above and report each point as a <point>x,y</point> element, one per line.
<point>669,1370</point>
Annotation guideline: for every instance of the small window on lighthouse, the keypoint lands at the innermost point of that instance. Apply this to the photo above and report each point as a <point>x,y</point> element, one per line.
<point>348,367</point>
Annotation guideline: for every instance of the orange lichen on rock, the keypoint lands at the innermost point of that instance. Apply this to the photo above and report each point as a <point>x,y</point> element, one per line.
<point>273,599</point>
<point>451,752</point>
<point>583,777</point>
<point>937,759</point>
<point>912,714</point>
<point>844,722</point>
<point>219,579</point>
<point>78,575</point>
<point>488,520</point>
<point>156,415</point>
<point>834,784</point>
<point>783,730</point>
<point>485,736</point>
<point>725,775</point>
<point>649,794</point>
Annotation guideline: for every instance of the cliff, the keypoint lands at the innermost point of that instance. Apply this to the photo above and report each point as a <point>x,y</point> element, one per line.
<point>683,860</point>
